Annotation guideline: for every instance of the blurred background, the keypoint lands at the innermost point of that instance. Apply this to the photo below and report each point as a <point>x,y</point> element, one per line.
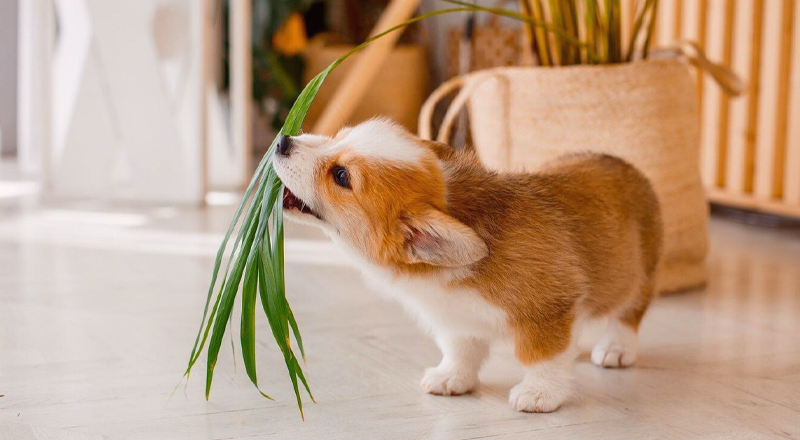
<point>129,129</point>
<point>168,101</point>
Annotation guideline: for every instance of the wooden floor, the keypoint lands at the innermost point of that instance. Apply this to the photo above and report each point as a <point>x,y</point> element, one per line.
<point>99,307</point>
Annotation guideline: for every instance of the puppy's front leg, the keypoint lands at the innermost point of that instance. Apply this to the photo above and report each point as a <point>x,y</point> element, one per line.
<point>546,385</point>
<point>457,373</point>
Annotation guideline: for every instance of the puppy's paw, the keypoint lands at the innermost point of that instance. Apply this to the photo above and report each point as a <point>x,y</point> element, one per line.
<point>536,399</point>
<point>615,356</point>
<point>617,348</point>
<point>448,382</point>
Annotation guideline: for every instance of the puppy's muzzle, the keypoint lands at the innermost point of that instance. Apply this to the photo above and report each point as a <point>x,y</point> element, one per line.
<point>285,145</point>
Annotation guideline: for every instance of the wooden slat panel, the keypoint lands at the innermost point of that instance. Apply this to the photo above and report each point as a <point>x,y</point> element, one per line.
<point>749,202</point>
<point>692,27</point>
<point>779,162</point>
<point>750,146</point>
<point>725,105</point>
<point>770,135</point>
<point>667,22</point>
<point>791,187</point>
<point>718,30</point>
<point>745,62</point>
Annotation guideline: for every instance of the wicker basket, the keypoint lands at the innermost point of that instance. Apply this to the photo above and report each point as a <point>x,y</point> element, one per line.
<point>644,112</point>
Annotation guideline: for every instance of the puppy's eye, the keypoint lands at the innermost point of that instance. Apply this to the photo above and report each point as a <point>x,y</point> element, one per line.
<point>341,177</point>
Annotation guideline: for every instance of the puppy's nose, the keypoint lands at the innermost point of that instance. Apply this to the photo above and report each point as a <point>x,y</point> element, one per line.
<point>285,145</point>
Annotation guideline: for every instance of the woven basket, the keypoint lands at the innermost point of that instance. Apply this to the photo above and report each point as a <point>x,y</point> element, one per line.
<point>644,112</point>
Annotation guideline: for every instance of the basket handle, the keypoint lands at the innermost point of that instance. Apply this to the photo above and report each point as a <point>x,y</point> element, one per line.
<point>426,111</point>
<point>467,89</point>
<point>725,77</point>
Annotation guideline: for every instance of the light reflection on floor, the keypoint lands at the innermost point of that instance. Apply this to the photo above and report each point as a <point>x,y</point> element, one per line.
<point>143,231</point>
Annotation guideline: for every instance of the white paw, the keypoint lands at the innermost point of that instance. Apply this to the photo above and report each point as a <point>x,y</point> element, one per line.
<point>531,398</point>
<point>617,348</point>
<point>447,382</point>
<point>613,357</point>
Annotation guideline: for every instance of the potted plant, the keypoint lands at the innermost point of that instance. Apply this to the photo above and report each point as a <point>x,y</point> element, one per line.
<point>592,91</point>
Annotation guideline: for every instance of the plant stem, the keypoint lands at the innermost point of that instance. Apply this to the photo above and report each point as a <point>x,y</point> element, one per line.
<point>637,25</point>
<point>522,17</point>
<point>590,24</point>
<point>650,30</point>
<point>557,19</point>
<point>541,37</point>
<point>571,20</point>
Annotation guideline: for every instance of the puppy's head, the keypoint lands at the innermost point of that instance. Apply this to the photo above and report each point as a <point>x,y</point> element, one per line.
<point>380,189</point>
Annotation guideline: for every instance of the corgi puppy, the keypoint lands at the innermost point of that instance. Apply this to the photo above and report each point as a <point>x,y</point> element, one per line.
<point>479,256</point>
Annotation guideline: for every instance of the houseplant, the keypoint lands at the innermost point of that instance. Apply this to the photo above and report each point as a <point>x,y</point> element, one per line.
<point>604,95</point>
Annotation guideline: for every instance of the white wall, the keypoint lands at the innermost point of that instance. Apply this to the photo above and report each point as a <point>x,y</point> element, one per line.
<point>124,113</point>
<point>8,77</point>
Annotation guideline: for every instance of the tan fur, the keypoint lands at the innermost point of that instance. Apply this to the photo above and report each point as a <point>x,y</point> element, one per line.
<point>581,236</point>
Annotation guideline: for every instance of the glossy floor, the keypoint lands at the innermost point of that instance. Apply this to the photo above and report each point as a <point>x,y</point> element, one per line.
<point>99,307</point>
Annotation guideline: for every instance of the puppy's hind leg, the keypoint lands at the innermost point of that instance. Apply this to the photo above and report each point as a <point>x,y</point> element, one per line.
<point>457,373</point>
<point>619,344</point>
<point>617,347</point>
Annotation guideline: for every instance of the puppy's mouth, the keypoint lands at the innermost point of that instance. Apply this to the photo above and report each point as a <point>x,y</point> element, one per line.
<point>293,203</point>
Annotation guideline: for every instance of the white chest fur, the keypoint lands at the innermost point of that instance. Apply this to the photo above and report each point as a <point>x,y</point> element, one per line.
<point>439,309</point>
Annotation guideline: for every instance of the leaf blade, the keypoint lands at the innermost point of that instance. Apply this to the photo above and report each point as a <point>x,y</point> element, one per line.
<point>226,306</point>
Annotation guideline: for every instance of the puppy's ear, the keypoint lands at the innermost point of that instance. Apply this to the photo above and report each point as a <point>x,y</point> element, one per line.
<point>435,238</point>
